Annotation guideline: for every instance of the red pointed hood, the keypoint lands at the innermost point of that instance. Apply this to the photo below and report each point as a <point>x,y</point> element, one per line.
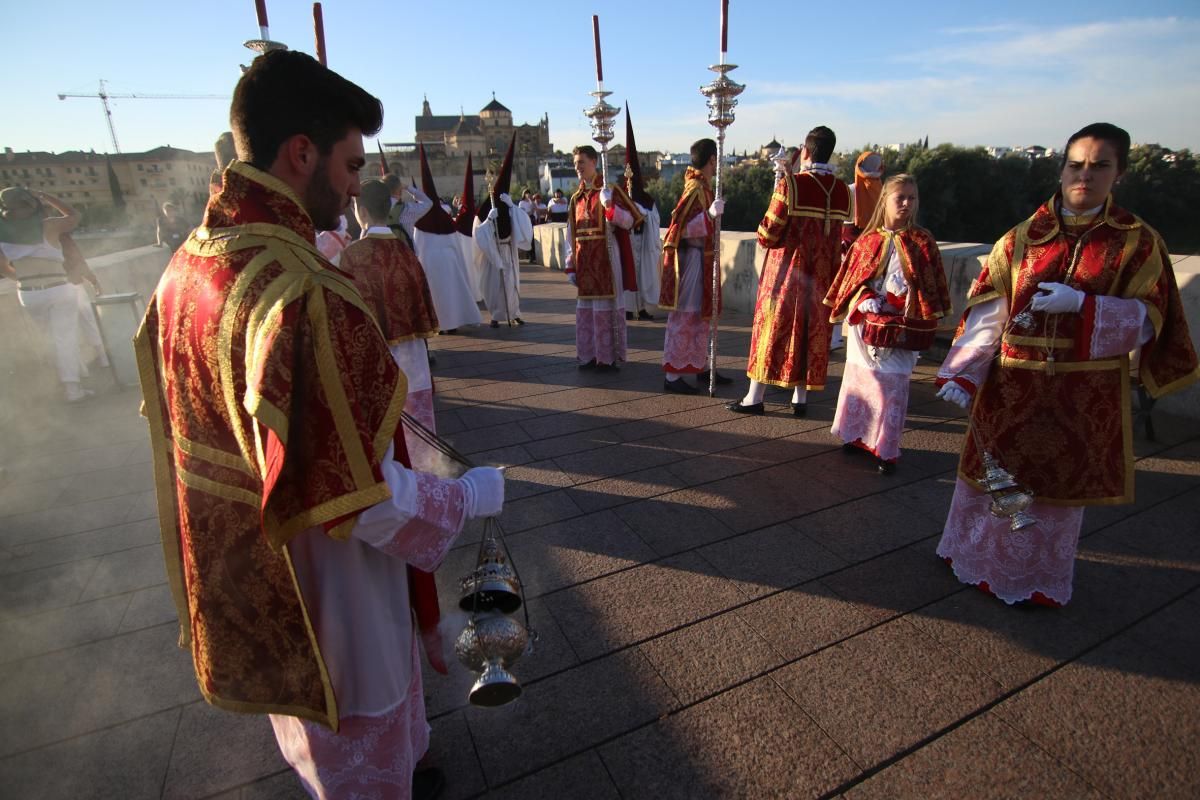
<point>465,221</point>
<point>436,220</point>
<point>637,189</point>
<point>503,181</point>
<point>383,165</point>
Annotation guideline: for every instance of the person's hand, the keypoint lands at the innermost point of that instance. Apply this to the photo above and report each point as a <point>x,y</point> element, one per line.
<point>951,392</point>
<point>870,306</point>
<point>485,491</point>
<point>506,199</point>
<point>717,208</point>
<point>606,197</point>
<point>493,213</point>
<point>1057,298</point>
<point>571,279</point>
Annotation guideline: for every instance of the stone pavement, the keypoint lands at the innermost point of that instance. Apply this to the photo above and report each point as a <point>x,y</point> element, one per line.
<point>728,606</point>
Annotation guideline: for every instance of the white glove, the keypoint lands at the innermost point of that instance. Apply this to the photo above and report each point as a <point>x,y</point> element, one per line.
<point>493,213</point>
<point>951,392</point>
<point>485,491</point>
<point>717,208</point>
<point>506,199</point>
<point>571,279</point>
<point>870,306</point>
<point>606,197</point>
<point>1057,298</point>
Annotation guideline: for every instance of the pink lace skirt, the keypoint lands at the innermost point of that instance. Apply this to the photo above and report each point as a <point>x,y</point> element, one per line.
<point>600,335</point>
<point>369,757</point>
<point>1014,564</point>
<point>685,346</point>
<point>871,407</point>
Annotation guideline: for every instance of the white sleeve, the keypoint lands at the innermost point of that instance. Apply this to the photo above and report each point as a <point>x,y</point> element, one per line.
<point>522,230</point>
<point>971,356</point>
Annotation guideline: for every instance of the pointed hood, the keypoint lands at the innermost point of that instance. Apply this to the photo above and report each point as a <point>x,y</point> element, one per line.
<point>383,165</point>
<point>637,187</point>
<point>465,220</point>
<point>503,181</point>
<point>436,220</point>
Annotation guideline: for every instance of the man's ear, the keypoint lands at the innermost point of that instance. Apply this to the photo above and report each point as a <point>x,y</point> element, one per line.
<point>300,154</point>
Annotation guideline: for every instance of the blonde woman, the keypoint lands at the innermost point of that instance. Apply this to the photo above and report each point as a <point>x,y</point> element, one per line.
<point>892,289</point>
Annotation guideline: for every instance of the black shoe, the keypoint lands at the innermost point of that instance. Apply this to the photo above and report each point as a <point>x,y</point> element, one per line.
<point>737,408</point>
<point>800,409</point>
<point>851,449</point>
<point>885,467</point>
<point>642,315</point>
<point>679,386</point>
<point>607,368</point>
<point>427,783</point>
<point>588,366</point>
<point>518,320</point>
<point>494,324</point>
<point>629,316</point>
<point>702,379</point>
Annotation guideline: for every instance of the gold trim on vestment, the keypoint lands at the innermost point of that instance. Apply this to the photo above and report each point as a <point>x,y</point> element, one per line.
<point>279,534</point>
<point>164,484</point>
<point>213,456</point>
<point>331,712</point>
<point>335,394</point>
<point>1036,341</point>
<point>218,489</point>
<point>1060,366</point>
<point>225,335</point>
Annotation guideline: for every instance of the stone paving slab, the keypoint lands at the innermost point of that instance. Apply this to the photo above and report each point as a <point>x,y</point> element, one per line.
<point>727,606</point>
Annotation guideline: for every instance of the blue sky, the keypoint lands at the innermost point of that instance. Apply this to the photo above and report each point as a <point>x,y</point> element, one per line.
<point>968,72</point>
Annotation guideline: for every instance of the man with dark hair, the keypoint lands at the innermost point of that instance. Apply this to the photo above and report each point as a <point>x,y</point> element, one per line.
<point>1064,299</point>
<point>294,530</point>
<point>686,280</point>
<point>394,287</point>
<point>599,262</point>
<point>802,229</point>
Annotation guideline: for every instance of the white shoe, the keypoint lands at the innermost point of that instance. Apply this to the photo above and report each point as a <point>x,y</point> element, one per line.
<point>78,395</point>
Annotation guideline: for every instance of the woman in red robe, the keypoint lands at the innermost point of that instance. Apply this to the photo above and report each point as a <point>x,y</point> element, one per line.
<point>1066,298</point>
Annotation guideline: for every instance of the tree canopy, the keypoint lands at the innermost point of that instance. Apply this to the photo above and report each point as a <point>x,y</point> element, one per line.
<point>969,196</point>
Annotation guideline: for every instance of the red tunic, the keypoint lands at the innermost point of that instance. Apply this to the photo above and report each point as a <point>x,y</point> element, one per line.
<point>696,198</point>
<point>1063,426</point>
<point>588,223</point>
<point>789,345</point>
<point>928,296</point>
<point>271,400</point>
<point>393,286</point>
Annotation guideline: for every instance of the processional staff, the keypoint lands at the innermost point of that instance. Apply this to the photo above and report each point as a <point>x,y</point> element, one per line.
<point>602,116</point>
<point>721,97</point>
<point>264,43</point>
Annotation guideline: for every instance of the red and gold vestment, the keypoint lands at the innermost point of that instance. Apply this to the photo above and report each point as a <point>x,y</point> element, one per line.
<point>393,285</point>
<point>789,345</point>
<point>1054,417</point>
<point>696,198</point>
<point>921,261</point>
<point>271,398</point>
<point>588,222</point>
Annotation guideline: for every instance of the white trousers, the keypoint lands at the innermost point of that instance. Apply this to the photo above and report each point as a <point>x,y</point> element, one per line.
<point>56,312</point>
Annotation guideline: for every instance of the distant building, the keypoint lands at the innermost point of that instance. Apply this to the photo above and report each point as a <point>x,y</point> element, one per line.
<point>145,180</point>
<point>999,151</point>
<point>557,173</point>
<point>484,134</point>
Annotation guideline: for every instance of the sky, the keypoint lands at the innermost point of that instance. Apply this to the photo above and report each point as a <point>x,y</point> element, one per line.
<point>970,73</point>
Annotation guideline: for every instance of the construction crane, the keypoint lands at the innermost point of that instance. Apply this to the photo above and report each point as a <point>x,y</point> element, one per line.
<point>105,96</point>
